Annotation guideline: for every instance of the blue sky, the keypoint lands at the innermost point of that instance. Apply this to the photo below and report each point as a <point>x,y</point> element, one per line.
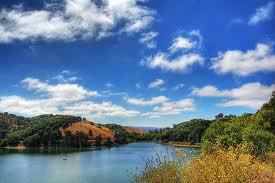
<point>136,62</point>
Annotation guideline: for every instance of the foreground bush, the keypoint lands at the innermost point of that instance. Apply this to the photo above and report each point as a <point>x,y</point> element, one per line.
<point>230,166</point>
<point>234,133</point>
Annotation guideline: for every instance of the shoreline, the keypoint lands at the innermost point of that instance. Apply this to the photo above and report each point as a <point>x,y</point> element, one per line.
<point>23,148</point>
<point>182,144</point>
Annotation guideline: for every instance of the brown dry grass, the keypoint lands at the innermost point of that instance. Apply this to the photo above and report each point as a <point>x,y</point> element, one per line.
<point>89,129</point>
<point>134,130</point>
<point>221,166</point>
<point>228,167</point>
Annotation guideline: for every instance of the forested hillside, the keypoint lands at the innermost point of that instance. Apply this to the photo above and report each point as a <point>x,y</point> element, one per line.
<point>224,130</point>
<point>187,132</point>
<point>60,131</point>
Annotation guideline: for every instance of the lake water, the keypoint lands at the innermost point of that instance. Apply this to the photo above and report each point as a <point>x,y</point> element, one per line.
<point>114,165</point>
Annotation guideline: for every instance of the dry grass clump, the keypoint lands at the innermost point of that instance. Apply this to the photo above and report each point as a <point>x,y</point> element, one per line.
<point>166,173</point>
<point>270,159</point>
<point>159,170</point>
<point>220,166</point>
<point>228,167</point>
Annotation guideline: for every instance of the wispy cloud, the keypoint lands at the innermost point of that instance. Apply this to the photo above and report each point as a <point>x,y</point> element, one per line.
<point>162,106</point>
<point>149,39</point>
<point>88,108</point>
<point>66,76</point>
<point>138,85</point>
<point>109,93</point>
<point>262,14</point>
<point>156,83</point>
<point>150,102</point>
<point>109,85</point>
<point>178,86</point>
<point>171,108</point>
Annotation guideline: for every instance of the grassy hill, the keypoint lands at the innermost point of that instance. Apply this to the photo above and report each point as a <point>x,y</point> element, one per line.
<point>91,130</point>
<point>61,130</point>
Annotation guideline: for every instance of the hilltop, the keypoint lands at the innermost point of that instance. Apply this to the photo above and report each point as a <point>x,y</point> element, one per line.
<point>61,130</point>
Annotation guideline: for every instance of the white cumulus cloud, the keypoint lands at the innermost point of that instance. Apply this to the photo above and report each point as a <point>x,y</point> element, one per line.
<point>170,61</point>
<point>181,43</point>
<point>72,19</point>
<point>243,63</point>
<point>178,64</point>
<point>192,40</point>
<point>62,98</point>
<point>251,95</point>
<point>59,92</point>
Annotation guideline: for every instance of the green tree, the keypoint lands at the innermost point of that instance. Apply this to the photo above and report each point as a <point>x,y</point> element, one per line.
<point>259,141</point>
<point>222,134</point>
<point>32,141</point>
<point>98,140</point>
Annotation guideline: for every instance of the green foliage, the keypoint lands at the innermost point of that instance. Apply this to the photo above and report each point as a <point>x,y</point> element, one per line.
<point>239,131</point>
<point>224,134</point>
<point>32,141</point>
<point>121,135</point>
<point>3,142</point>
<point>266,115</point>
<point>259,141</point>
<point>11,118</point>
<point>256,132</point>
<point>190,131</point>
<point>43,130</point>
<point>3,130</point>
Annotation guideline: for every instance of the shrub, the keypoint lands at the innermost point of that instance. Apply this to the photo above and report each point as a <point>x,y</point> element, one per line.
<point>222,134</point>
<point>32,141</point>
<point>227,167</point>
<point>234,133</point>
<point>3,142</point>
<point>259,141</point>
